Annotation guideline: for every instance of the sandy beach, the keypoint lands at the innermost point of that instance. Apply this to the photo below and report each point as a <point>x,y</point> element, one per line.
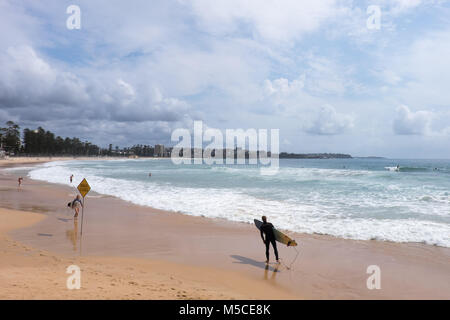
<point>23,161</point>
<point>133,252</point>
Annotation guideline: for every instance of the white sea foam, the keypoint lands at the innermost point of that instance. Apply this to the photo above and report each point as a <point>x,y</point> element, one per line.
<point>381,212</point>
<point>17,169</point>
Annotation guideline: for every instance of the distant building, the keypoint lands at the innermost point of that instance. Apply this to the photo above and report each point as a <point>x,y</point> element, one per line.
<point>229,153</point>
<point>197,152</point>
<point>167,152</point>
<point>159,150</point>
<point>240,154</point>
<point>210,153</point>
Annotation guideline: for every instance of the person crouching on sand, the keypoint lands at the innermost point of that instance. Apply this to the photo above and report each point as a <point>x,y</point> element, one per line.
<point>267,230</point>
<point>76,204</point>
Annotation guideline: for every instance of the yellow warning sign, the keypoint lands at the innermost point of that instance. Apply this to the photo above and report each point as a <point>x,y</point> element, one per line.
<point>84,188</point>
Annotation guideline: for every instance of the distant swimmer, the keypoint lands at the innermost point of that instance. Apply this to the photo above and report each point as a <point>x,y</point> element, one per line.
<point>150,174</point>
<point>71,178</point>
<point>20,180</point>
<point>267,230</point>
<point>76,204</point>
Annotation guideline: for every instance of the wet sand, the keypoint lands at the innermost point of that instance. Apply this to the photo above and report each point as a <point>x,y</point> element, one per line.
<point>326,268</point>
<point>30,273</point>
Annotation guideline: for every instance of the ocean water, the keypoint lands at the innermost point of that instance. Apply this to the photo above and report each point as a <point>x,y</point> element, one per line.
<point>349,198</point>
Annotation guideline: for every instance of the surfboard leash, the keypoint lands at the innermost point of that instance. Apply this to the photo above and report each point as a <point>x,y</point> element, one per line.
<point>293,261</point>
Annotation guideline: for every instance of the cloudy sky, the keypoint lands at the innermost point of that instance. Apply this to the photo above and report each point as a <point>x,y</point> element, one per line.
<point>136,70</point>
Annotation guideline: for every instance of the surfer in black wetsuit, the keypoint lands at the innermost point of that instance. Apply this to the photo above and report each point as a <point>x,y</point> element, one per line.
<point>267,229</point>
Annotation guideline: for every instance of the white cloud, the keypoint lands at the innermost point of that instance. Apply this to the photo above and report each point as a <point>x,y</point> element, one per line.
<point>287,98</point>
<point>425,123</point>
<point>390,77</point>
<point>283,87</point>
<point>401,6</point>
<point>324,76</point>
<point>424,68</point>
<point>407,122</point>
<point>328,122</point>
<point>280,20</point>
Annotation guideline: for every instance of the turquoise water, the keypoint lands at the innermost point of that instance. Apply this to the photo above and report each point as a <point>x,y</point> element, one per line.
<point>349,198</point>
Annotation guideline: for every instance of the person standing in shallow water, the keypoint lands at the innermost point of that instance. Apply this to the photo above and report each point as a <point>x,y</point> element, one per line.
<point>20,180</point>
<point>267,231</point>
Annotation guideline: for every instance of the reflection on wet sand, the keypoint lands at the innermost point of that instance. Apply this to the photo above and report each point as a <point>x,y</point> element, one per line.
<point>72,234</point>
<point>245,260</point>
<point>274,272</point>
<point>259,264</point>
<point>33,208</point>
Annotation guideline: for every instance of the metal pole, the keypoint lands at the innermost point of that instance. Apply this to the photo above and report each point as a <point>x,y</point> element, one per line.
<point>82,216</point>
<point>81,234</point>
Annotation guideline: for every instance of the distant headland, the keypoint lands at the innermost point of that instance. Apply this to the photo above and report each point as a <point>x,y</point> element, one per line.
<point>285,155</point>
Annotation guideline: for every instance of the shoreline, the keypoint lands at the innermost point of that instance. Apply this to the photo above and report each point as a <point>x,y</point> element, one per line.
<point>291,232</point>
<point>313,278</point>
<point>11,161</point>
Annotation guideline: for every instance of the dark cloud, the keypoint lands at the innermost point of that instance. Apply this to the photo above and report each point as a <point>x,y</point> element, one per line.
<point>34,91</point>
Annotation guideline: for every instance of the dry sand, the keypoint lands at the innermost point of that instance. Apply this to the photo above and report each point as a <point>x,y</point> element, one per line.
<point>21,161</point>
<point>130,251</point>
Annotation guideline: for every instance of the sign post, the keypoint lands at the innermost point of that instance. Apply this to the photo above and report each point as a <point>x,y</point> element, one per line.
<point>84,188</point>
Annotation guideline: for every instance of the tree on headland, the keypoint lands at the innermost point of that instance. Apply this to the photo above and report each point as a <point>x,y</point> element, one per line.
<point>10,137</point>
<point>41,142</point>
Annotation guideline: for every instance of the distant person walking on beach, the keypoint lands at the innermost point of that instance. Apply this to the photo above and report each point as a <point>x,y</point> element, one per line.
<point>76,204</point>
<point>71,178</point>
<point>267,230</point>
<point>20,180</point>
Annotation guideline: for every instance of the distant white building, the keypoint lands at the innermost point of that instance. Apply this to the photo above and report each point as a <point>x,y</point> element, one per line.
<point>159,150</point>
<point>198,152</point>
<point>229,153</point>
<point>167,152</point>
<point>240,154</point>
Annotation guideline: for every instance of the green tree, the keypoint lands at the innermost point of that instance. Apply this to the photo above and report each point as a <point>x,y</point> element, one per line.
<point>10,137</point>
<point>41,142</point>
